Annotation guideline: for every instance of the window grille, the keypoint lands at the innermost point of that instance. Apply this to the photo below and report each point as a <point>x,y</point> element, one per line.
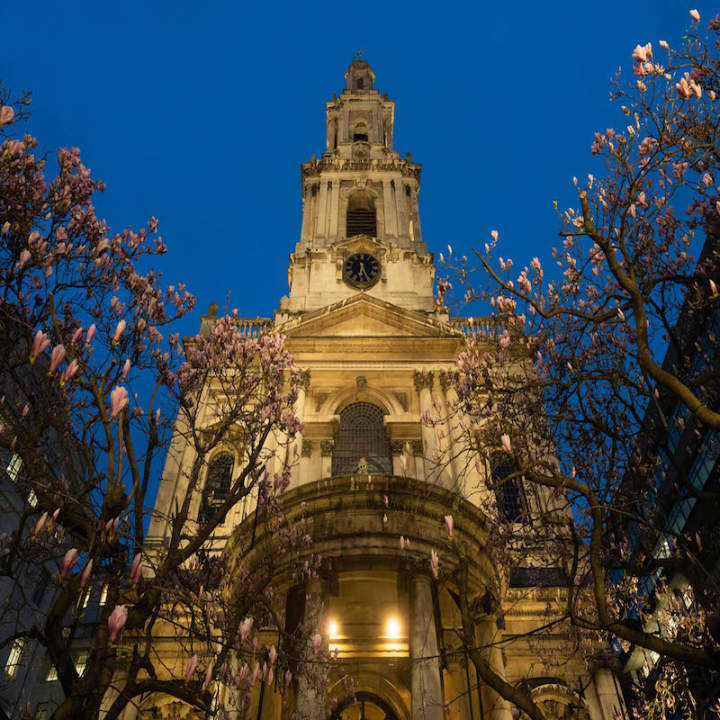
<point>361,217</point>
<point>15,657</point>
<point>217,484</point>
<point>510,496</point>
<point>362,435</point>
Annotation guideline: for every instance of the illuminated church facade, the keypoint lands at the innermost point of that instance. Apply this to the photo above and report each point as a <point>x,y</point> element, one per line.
<point>378,353</point>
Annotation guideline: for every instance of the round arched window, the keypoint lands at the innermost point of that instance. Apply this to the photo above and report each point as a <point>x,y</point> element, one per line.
<point>217,484</point>
<point>362,446</point>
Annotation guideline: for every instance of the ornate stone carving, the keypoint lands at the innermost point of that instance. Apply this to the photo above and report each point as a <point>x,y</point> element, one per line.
<point>447,378</point>
<point>402,398</point>
<point>305,379</point>
<point>417,447</point>
<point>397,447</point>
<point>326,447</point>
<point>361,383</point>
<point>423,379</point>
<point>320,398</point>
<point>307,448</point>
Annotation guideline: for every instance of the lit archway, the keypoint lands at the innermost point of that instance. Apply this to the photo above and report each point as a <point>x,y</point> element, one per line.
<point>363,706</point>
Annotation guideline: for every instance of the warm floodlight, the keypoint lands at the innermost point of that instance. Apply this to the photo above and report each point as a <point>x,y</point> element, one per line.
<point>392,628</point>
<point>333,629</point>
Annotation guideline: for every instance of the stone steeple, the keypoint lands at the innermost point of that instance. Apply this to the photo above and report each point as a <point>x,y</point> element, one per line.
<point>360,197</point>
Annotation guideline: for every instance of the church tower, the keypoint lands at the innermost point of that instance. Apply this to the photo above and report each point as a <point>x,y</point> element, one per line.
<point>360,228</point>
<point>372,478</point>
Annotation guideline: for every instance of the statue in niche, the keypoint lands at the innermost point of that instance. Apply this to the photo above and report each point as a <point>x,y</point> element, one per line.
<point>362,467</point>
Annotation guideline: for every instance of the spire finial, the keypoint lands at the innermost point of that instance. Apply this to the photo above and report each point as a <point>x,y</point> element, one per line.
<point>358,57</point>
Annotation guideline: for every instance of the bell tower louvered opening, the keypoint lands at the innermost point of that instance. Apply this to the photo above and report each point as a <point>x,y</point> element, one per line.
<point>361,215</point>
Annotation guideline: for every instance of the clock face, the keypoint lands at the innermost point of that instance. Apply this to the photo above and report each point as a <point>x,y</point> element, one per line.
<point>361,270</point>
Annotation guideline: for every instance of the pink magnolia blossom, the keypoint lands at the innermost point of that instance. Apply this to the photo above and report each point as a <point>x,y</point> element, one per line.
<point>449,525</point>
<point>126,369</point>
<point>434,563</point>
<point>7,115</point>
<point>505,440</point>
<point>40,524</point>
<point>136,568</point>
<point>245,628</point>
<point>272,655</point>
<point>86,573</point>
<point>494,234</point>
<point>119,330</point>
<point>119,400</point>
<point>76,336</point>
<point>71,557</point>
<point>695,15</point>
<point>402,542</point>
<point>90,334</point>
<point>316,643</point>
<point>56,357</point>
<point>40,343</point>
<point>255,674</point>
<point>713,287</point>
<point>24,258</point>
<point>270,676</point>
<point>70,371</point>
<point>244,672</point>
<point>116,621</point>
<point>642,53</point>
<point>190,669</point>
<point>208,675</point>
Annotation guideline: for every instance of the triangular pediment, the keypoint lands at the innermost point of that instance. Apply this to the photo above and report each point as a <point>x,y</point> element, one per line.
<point>365,316</point>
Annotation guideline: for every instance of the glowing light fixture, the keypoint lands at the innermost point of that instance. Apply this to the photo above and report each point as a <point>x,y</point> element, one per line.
<point>392,628</point>
<point>333,629</point>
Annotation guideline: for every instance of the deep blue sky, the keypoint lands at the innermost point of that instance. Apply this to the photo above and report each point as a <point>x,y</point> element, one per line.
<point>200,112</point>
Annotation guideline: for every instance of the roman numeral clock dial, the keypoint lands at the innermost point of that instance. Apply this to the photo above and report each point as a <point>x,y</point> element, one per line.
<point>361,270</point>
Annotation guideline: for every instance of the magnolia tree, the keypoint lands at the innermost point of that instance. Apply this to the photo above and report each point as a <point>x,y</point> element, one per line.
<point>611,412</point>
<point>91,377</point>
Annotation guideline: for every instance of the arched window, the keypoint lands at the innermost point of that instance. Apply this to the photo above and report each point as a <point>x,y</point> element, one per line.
<point>360,133</point>
<point>217,484</point>
<point>363,705</point>
<point>510,496</point>
<point>361,217</point>
<point>362,446</point>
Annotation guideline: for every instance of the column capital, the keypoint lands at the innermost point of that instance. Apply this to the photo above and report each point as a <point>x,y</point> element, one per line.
<point>448,378</point>
<point>304,379</point>
<point>423,379</point>
<point>307,448</point>
<point>326,447</point>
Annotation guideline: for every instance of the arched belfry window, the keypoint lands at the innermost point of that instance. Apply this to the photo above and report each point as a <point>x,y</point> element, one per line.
<point>361,215</point>
<point>361,436</point>
<point>510,496</point>
<point>360,133</point>
<point>217,484</point>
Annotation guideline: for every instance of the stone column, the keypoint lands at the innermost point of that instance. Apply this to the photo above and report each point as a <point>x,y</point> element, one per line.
<point>293,456</point>
<point>427,701</point>
<point>603,698</point>
<point>390,210</point>
<point>333,233</point>
<point>322,210</point>
<point>310,701</point>
<point>423,384</point>
<point>326,451</point>
<point>496,707</point>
